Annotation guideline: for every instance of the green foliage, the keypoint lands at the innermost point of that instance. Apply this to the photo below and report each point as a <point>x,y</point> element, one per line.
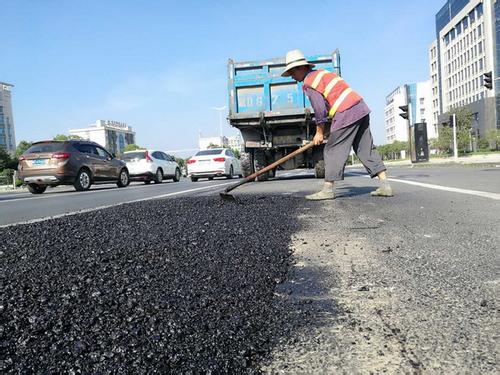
<point>22,147</point>
<point>63,137</point>
<point>393,150</point>
<point>464,125</point>
<point>181,162</point>
<point>483,144</point>
<point>493,138</point>
<point>213,145</point>
<point>236,152</point>
<point>131,147</point>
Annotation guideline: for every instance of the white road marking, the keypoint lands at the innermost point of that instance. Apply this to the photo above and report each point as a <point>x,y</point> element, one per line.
<point>114,205</point>
<point>478,193</point>
<point>67,193</point>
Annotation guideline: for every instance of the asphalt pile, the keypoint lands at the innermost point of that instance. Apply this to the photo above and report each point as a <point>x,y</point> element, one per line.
<point>177,285</point>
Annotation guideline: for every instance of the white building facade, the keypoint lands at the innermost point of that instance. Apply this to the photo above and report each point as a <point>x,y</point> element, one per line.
<point>236,142</point>
<point>465,51</point>
<point>205,142</point>
<point>419,98</point>
<point>112,135</point>
<point>7,132</point>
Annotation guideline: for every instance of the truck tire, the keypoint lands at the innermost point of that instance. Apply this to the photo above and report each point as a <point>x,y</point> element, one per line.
<point>259,162</point>
<point>246,161</point>
<point>319,169</point>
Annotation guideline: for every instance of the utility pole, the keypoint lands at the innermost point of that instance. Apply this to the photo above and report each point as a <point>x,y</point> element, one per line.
<point>454,124</point>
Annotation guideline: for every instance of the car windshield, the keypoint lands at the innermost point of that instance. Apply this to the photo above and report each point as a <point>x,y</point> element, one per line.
<point>134,156</point>
<point>208,152</point>
<point>45,147</point>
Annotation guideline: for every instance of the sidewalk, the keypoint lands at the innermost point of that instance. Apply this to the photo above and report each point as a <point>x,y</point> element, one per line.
<point>462,160</point>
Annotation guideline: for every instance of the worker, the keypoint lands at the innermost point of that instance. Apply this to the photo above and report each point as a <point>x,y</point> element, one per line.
<point>334,101</point>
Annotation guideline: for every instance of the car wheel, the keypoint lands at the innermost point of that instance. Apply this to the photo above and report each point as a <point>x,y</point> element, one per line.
<point>247,164</point>
<point>194,179</point>
<point>147,182</point>
<point>231,173</point>
<point>36,189</point>
<point>158,176</point>
<point>259,162</point>
<point>83,180</point>
<point>123,179</point>
<point>177,176</point>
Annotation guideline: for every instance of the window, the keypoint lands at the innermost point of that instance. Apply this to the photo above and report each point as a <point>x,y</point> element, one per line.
<point>465,23</point>
<point>481,66</point>
<point>208,152</point>
<point>479,30</point>
<point>422,101</point>
<point>86,148</point>
<point>157,155</point>
<point>472,17</point>
<point>480,47</point>
<point>103,153</point>
<point>458,28</point>
<point>479,10</point>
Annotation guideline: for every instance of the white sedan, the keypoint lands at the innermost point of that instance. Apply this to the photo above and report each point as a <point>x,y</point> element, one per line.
<point>216,162</point>
<point>151,165</point>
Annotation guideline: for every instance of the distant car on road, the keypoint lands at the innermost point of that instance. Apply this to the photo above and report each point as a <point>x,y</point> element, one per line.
<point>75,162</point>
<point>151,165</point>
<point>217,162</point>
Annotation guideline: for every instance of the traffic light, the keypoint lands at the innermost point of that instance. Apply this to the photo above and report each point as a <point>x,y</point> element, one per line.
<point>488,80</point>
<point>404,114</point>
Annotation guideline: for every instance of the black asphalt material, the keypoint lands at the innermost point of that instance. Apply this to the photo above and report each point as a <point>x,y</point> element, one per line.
<point>178,285</point>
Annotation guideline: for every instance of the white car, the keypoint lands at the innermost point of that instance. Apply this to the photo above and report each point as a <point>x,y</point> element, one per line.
<point>216,162</point>
<point>151,165</point>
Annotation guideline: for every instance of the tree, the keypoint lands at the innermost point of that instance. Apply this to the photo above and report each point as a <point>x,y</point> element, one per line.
<point>213,145</point>
<point>493,138</point>
<point>181,162</point>
<point>22,147</point>
<point>236,152</point>
<point>131,147</point>
<point>63,137</point>
<point>5,159</point>
<point>464,126</point>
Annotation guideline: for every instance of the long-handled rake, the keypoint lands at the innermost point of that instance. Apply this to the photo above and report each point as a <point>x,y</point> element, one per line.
<point>225,194</point>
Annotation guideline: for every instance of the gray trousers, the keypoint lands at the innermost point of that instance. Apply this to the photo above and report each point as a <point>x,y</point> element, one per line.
<point>339,145</point>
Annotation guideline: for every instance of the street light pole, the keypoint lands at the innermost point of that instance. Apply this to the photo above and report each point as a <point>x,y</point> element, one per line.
<point>220,109</point>
<point>455,150</point>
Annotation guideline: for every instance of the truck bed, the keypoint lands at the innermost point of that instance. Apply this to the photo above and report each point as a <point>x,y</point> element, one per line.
<point>258,93</point>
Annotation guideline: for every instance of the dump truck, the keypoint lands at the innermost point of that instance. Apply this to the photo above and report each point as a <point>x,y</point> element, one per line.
<point>273,114</point>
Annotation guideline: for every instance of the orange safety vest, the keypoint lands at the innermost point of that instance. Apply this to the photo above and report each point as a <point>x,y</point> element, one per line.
<point>334,89</point>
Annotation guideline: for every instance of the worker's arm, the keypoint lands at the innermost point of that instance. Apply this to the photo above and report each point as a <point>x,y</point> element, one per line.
<point>320,114</point>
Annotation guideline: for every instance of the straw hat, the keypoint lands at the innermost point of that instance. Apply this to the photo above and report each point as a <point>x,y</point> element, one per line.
<point>293,59</point>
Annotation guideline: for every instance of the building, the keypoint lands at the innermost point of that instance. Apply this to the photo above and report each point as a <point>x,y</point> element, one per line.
<point>419,98</point>
<point>464,51</point>
<point>113,135</point>
<point>7,133</point>
<point>205,142</point>
<point>236,143</point>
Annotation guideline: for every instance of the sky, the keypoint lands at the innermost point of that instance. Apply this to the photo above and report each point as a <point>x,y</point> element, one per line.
<point>161,66</point>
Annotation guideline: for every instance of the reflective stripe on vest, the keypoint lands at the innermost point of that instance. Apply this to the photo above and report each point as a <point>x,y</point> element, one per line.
<point>330,86</point>
<point>317,79</point>
<point>339,101</point>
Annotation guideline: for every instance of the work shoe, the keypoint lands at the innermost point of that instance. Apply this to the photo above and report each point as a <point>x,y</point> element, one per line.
<point>321,195</point>
<point>383,191</point>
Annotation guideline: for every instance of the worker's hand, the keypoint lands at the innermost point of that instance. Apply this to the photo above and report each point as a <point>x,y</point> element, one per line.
<point>318,138</point>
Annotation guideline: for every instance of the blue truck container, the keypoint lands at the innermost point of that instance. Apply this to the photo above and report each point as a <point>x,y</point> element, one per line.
<point>273,113</point>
